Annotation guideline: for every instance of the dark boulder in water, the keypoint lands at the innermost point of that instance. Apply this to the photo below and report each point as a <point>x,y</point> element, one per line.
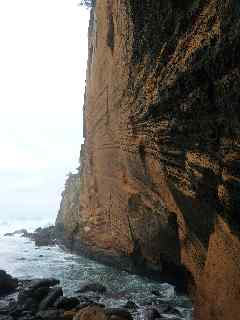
<point>23,232</point>
<point>6,317</point>
<point>131,305</point>
<point>120,313</point>
<point>3,308</point>
<point>51,298</point>
<point>92,286</point>
<point>66,303</point>
<point>44,236</point>
<point>48,282</point>
<point>151,314</point>
<point>8,284</point>
<point>50,314</point>
<point>40,293</point>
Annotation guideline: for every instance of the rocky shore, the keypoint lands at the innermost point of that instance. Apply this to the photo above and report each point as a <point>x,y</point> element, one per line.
<point>41,236</point>
<point>159,168</point>
<point>43,299</point>
<point>51,235</point>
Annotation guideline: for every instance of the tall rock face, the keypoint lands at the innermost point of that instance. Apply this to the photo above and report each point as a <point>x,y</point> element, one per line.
<point>160,168</point>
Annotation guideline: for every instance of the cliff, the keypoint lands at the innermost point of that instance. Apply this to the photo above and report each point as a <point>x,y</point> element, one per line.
<point>160,167</point>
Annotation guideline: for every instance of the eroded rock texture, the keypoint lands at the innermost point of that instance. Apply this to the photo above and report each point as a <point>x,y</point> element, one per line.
<point>160,167</point>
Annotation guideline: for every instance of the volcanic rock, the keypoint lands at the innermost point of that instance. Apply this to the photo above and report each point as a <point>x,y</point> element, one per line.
<point>159,181</point>
<point>8,284</point>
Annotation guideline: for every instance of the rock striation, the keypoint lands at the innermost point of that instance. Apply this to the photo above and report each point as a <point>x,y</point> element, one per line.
<point>159,180</point>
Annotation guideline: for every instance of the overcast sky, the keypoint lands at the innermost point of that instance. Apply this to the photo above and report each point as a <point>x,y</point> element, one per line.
<point>43,52</point>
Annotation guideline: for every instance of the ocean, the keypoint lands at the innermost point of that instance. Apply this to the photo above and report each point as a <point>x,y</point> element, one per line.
<point>22,259</point>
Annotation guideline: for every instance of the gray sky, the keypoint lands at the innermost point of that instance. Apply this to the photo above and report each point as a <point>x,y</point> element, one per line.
<point>43,52</point>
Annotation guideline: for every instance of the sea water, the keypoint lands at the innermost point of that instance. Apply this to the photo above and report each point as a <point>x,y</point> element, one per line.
<point>22,259</point>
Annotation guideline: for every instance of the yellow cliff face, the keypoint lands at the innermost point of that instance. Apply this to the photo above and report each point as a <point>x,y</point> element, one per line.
<point>160,167</point>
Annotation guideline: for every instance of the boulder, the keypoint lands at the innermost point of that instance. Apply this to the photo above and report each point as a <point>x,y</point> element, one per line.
<point>48,282</point>
<point>131,305</point>
<point>29,304</point>
<point>84,305</point>
<point>8,284</point>
<point>3,308</point>
<point>20,231</point>
<point>170,310</point>
<point>40,293</point>
<point>35,290</point>
<point>94,287</point>
<point>6,317</point>
<point>118,313</point>
<point>44,236</point>
<point>66,303</point>
<point>50,314</point>
<point>51,298</point>
<point>91,313</point>
<point>26,315</point>
<point>68,315</point>
<point>151,314</point>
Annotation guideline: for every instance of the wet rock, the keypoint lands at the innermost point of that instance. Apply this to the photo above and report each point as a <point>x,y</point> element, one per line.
<point>26,315</point>
<point>151,314</point>
<point>51,298</point>
<point>20,231</point>
<point>84,299</point>
<point>66,303</point>
<point>50,314</point>
<point>8,284</point>
<point>40,293</point>
<point>30,304</point>
<point>49,282</point>
<point>34,291</point>
<point>120,313</point>
<point>167,308</point>
<point>167,317</point>
<point>157,293</point>
<point>68,315</point>
<point>3,307</point>
<point>44,236</point>
<point>131,305</point>
<point>91,313</point>
<point>162,308</point>
<point>92,286</point>
<point>6,317</point>
<point>84,305</point>
<point>24,294</point>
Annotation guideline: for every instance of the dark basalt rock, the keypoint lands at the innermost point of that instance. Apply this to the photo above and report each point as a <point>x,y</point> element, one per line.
<point>119,312</point>
<point>40,293</point>
<point>93,286</point>
<point>35,284</point>
<point>51,314</point>
<point>8,284</point>
<point>6,317</point>
<point>51,298</point>
<point>131,305</point>
<point>151,314</point>
<point>22,232</point>
<point>4,307</point>
<point>44,236</point>
<point>66,303</point>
